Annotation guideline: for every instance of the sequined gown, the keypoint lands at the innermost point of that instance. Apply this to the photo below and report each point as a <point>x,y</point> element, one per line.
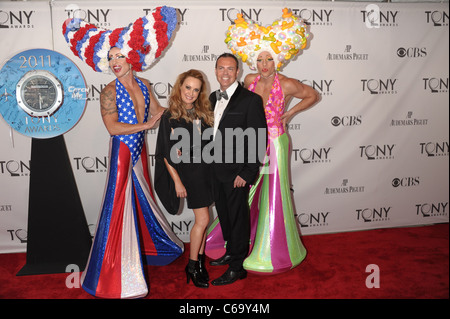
<point>131,230</point>
<point>275,244</point>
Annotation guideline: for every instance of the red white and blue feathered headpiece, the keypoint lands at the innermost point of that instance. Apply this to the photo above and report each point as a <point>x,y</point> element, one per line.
<point>141,42</point>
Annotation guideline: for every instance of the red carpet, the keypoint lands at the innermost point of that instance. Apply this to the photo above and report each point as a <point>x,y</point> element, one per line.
<point>413,263</point>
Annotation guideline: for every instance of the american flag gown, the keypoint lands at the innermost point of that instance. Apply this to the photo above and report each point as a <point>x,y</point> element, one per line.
<point>131,230</point>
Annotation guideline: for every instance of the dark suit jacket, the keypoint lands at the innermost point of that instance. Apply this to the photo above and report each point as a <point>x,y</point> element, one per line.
<point>242,129</point>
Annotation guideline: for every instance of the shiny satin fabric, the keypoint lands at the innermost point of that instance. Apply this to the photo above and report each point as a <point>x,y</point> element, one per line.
<point>276,244</point>
<point>131,229</point>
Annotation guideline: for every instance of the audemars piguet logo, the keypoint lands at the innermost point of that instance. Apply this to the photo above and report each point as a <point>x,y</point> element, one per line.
<point>409,120</point>
<point>204,55</point>
<point>347,54</point>
<point>344,188</point>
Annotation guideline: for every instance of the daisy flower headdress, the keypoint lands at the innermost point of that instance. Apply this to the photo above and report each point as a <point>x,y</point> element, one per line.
<point>283,39</point>
<point>141,42</point>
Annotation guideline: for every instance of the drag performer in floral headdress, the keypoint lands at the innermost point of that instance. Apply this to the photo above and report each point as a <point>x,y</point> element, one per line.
<point>131,229</point>
<point>275,242</point>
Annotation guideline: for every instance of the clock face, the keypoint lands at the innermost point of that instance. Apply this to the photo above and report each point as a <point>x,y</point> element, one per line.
<point>42,93</point>
<point>39,93</point>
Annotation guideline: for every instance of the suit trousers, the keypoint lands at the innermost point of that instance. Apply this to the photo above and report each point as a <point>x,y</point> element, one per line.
<point>234,215</point>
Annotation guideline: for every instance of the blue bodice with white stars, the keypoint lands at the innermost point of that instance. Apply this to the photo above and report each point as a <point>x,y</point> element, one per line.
<point>127,114</point>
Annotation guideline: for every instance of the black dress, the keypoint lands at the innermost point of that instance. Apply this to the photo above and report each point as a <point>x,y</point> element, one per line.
<point>181,144</point>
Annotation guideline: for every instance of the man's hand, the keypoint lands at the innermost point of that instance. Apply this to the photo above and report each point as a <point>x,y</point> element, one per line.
<point>153,120</point>
<point>239,182</point>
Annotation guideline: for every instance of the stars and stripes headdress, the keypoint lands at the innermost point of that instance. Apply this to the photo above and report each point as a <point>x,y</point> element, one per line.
<point>283,39</point>
<point>141,42</point>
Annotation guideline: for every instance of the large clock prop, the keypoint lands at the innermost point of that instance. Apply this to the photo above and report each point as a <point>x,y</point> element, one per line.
<point>45,97</point>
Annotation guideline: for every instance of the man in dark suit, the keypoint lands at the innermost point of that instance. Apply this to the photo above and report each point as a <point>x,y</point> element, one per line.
<point>239,128</point>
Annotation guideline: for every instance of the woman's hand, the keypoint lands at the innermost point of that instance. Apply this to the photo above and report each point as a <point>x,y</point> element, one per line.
<point>180,189</point>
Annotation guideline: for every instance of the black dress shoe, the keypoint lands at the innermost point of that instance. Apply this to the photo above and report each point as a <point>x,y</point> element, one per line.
<point>229,277</point>
<point>224,260</point>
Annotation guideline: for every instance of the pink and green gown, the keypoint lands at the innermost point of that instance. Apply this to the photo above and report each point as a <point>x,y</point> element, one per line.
<point>275,244</point>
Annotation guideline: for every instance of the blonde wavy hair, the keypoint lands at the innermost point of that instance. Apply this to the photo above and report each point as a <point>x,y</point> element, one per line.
<point>202,106</point>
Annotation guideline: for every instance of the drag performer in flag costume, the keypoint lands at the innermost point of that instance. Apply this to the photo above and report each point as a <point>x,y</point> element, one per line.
<point>275,244</point>
<point>131,229</point>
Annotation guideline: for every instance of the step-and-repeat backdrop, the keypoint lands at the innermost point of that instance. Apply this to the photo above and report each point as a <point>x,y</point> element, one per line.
<point>372,153</point>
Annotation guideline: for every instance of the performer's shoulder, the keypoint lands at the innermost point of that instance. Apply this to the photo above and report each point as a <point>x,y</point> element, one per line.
<point>249,78</point>
<point>110,85</point>
<point>284,80</point>
<point>110,88</point>
<point>145,81</point>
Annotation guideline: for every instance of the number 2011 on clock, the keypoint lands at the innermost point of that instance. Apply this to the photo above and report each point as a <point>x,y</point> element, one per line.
<point>33,61</point>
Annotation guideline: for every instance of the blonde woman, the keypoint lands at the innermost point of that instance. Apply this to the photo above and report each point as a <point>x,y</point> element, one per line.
<point>180,171</point>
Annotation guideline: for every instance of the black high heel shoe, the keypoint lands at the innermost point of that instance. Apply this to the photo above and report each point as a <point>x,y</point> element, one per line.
<point>202,267</point>
<point>193,272</point>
